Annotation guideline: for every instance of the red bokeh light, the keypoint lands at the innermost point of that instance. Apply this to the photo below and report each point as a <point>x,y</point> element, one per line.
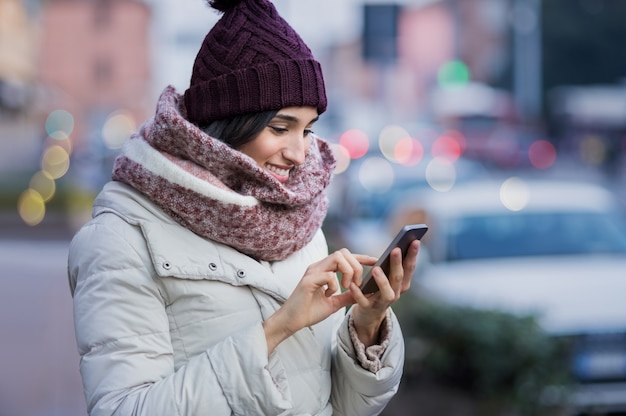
<point>355,142</point>
<point>542,154</point>
<point>408,151</point>
<point>459,137</point>
<point>446,147</point>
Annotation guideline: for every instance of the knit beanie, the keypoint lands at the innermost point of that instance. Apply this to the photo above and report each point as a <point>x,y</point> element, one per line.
<point>252,61</point>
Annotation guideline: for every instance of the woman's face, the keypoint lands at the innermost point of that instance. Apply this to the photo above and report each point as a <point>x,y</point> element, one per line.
<point>284,142</point>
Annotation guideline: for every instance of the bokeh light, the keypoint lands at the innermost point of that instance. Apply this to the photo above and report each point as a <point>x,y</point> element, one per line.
<point>453,73</point>
<point>408,151</point>
<point>447,147</point>
<point>389,138</point>
<point>458,137</point>
<point>342,156</point>
<point>514,194</point>
<point>65,143</point>
<point>59,124</point>
<point>592,150</point>
<point>44,184</point>
<point>356,142</point>
<point>31,207</point>
<point>376,175</point>
<point>542,154</point>
<point>117,128</point>
<point>441,174</point>
<point>55,161</point>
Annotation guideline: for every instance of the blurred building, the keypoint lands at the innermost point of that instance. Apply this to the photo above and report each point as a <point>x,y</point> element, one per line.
<point>94,66</point>
<point>407,50</point>
<point>94,58</point>
<point>18,72</point>
<point>17,55</point>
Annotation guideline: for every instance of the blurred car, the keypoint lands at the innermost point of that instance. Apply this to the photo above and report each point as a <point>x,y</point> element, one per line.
<point>554,249</point>
<point>368,193</point>
<point>488,119</point>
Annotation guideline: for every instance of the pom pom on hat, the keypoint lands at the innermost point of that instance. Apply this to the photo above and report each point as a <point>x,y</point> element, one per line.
<point>223,5</point>
<point>252,60</point>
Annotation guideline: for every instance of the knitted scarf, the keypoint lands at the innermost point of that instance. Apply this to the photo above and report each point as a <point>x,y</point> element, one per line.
<point>221,193</point>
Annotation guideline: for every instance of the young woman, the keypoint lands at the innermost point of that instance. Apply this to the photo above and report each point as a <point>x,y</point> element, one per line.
<point>203,283</point>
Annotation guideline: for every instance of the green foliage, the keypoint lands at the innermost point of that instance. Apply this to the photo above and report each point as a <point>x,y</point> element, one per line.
<point>492,355</point>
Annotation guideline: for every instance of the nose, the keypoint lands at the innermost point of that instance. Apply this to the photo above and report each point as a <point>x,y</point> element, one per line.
<point>296,149</point>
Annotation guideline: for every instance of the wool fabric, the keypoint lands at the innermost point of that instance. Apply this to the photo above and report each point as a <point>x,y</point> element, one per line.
<point>219,192</point>
<point>252,60</point>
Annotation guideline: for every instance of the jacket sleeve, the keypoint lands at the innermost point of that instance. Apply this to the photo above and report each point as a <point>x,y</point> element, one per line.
<point>356,390</point>
<point>126,355</point>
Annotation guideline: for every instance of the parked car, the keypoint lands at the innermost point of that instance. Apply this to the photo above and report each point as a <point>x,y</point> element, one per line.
<point>367,194</point>
<point>554,249</point>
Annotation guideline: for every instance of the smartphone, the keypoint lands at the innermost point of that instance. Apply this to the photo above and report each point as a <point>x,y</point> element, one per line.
<point>405,237</point>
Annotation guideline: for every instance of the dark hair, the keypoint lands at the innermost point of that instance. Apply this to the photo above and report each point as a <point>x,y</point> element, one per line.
<point>241,129</point>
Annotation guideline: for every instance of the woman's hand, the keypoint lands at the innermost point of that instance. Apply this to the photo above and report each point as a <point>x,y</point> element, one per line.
<point>317,296</point>
<point>370,310</point>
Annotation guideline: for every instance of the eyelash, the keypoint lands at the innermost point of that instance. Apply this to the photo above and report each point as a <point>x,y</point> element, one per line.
<point>280,130</point>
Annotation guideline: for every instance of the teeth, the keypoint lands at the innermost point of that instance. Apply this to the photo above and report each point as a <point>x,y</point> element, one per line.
<point>278,171</point>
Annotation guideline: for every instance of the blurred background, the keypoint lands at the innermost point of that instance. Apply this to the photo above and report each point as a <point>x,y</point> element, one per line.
<point>500,123</point>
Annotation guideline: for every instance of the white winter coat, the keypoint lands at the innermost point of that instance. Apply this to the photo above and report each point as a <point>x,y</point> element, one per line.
<point>169,323</point>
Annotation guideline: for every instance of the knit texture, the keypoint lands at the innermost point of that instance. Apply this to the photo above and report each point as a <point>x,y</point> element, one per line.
<point>250,61</point>
<point>370,357</point>
<point>221,193</point>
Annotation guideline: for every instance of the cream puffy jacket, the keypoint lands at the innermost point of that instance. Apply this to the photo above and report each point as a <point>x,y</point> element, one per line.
<point>169,323</point>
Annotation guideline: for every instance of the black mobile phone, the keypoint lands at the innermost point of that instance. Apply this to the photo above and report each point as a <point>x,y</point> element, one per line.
<point>405,237</point>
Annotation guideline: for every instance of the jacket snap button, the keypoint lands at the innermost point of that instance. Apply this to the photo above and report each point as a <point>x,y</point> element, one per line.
<point>241,273</point>
<point>167,265</point>
<point>212,266</point>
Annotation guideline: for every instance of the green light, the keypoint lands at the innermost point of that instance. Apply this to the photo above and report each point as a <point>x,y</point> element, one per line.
<point>453,73</point>
<point>60,124</point>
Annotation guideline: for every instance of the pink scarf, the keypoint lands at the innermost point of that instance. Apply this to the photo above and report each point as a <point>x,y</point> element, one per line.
<point>220,193</point>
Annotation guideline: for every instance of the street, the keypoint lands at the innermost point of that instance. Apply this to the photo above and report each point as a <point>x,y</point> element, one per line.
<point>39,360</point>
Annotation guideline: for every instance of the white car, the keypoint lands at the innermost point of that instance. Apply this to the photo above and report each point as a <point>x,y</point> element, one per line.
<point>556,249</point>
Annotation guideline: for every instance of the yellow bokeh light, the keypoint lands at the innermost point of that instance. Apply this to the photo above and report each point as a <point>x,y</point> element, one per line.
<point>31,207</point>
<point>44,184</point>
<point>55,161</point>
<point>65,143</point>
<point>514,194</point>
<point>593,150</point>
<point>117,128</point>
<point>388,140</point>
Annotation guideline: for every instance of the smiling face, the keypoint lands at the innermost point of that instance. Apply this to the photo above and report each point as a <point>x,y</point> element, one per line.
<point>284,142</point>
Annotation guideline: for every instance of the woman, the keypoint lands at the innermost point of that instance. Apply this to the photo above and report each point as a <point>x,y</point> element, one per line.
<point>203,284</point>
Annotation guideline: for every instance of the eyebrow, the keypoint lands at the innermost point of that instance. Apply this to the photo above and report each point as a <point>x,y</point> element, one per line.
<point>287,117</point>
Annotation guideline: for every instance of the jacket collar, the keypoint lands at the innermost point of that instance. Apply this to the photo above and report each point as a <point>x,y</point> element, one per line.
<point>179,253</point>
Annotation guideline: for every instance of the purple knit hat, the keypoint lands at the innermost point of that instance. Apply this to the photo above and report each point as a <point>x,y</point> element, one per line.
<point>252,61</point>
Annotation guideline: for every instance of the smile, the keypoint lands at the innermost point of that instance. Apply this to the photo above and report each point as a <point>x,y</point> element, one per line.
<point>278,171</point>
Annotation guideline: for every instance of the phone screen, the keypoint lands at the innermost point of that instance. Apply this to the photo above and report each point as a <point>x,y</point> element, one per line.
<point>403,239</point>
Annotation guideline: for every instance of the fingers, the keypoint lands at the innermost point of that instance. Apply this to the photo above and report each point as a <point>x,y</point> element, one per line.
<point>365,259</point>
<point>346,263</point>
<point>401,272</point>
<point>370,309</point>
<point>409,265</point>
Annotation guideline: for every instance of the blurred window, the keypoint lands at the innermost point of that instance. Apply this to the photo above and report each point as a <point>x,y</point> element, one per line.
<point>103,71</point>
<point>102,14</point>
<point>535,234</point>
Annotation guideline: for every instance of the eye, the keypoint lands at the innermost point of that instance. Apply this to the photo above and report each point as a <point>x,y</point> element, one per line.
<point>278,130</point>
<point>308,132</point>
